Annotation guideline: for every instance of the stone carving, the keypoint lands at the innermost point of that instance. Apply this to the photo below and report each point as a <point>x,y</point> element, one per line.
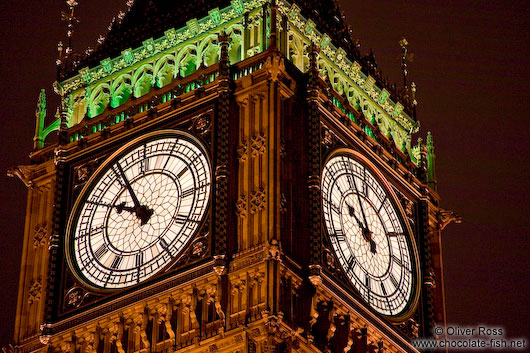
<point>24,172</point>
<point>257,201</point>
<point>34,292</point>
<point>219,266</point>
<point>444,217</point>
<point>241,207</point>
<point>327,138</point>
<point>258,257</point>
<point>211,292</point>
<point>332,327</point>
<point>330,260</point>
<point>238,286</point>
<point>408,207</point>
<point>242,151</point>
<point>39,238</point>
<point>83,172</point>
<point>188,308</point>
<point>202,124</point>
<point>283,203</point>
<point>274,250</point>
<point>258,145</point>
<point>74,297</point>
<point>199,247</point>
<point>89,340</point>
<point>411,328</point>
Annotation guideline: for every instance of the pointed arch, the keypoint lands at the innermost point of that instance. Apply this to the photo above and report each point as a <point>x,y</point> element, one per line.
<point>209,50</point>
<point>164,70</point>
<point>235,49</point>
<point>187,60</point>
<point>142,80</point>
<point>121,90</point>
<point>297,51</point>
<point>99,99</point>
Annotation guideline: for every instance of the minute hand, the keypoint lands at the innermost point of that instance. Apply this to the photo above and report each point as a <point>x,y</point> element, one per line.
<point>142,212</point>
<point>366,233</point>
<point>351,211</point>
<point>360,204</point>
<point>128,186</point>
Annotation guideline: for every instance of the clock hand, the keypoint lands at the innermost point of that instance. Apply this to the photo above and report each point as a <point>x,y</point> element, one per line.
<point>142,212</point>
<point>120,207</point>
<point>367,234</point>
<point>351,211</point>
<point>372,246</point>
<point>360,203</point>
<point>128,186</point>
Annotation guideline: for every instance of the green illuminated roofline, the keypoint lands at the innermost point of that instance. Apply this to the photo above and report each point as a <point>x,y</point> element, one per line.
<point>159,61</point>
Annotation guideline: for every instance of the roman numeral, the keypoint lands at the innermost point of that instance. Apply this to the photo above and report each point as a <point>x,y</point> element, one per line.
<point>182,172</point>
<point>382,204</point>
<point>388,305</point>
<point>139,259</point>
<point>397,260</point>
<point>116,262</point>
<point>365,183</point>
<point>351,180</point>
<point>339,235</point>
<point>101,251</point>
<point>383,288</point>
<point>117,176</point>
<point>90,232</point>
<point>170,153</point>
<point>145,162</point>
<point>180,219</point>
<point>400,263</point>
<point>368,288</point>
<point>394,281</point>
<point>333,207</point>
<point>351,262</point>
<point>187,193</point>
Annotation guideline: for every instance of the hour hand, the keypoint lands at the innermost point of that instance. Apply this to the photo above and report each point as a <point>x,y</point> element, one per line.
<point>143,213</point>
<point>119,208</point>
<point>366,233</point>
<point>372,246</point>
<point>351,211</point>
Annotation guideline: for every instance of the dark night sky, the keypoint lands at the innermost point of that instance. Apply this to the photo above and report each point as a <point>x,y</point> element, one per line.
<point>472,69</point>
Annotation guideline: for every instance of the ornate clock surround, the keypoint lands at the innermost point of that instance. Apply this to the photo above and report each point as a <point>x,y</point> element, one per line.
<point>74,295</point>
<point>330,262</point>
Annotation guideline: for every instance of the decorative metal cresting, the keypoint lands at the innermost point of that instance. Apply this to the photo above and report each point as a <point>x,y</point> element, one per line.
<point>70,18</point>
<point>405,57</point>
<point>408,57</point>
<point>87,96</point>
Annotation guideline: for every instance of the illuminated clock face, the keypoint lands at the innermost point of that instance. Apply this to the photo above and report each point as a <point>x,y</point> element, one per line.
<point>367,235</point>
<point>139,210</point>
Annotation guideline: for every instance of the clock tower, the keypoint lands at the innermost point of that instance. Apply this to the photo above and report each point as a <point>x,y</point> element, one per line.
<point>229,176</point>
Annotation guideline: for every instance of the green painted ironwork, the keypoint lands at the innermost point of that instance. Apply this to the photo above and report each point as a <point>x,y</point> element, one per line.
<point>180,52</point>
<point>431,176</point>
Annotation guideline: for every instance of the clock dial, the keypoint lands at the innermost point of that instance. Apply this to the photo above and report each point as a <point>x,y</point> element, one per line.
<point>139,210</point>
<point>372,244</point>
